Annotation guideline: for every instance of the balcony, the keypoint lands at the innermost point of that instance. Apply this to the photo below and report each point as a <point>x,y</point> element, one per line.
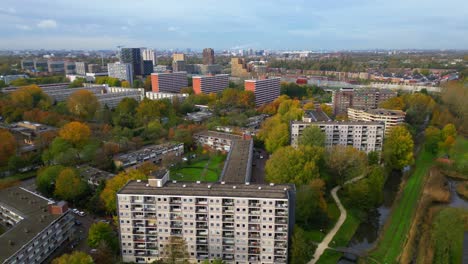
<point>176,217</point>
<point>152,231</point>
<point>281,244</point>
<point>228,219</point>
<point>280,237</point>
<point>201,217</point>
<point>202,226</point>
<point>202,256</point>
<point>254,227</point>
<point>281,205</point>
<point>281,212</point>
<point>254,219</point>
<point>254,243</point>
<point>202,248</point>
<point>281,221</point>
<point>228,249</point>
<point>202,233</point>
<point>138,239</point>
<point>254,211</point>
<point>228,241</point>
<point>280,252</point>
<point>280,260</point>
<point>176,209</point>
<point>281,229</point>
<point>176,232</point>
<point>201,209</point>
<point>138,231</point>
<point>228,226</point>
<point>228,256</point>
<point>149,200</point>
<point>254,204</point>
<point>176,225</point>
<point>253,258</point>
<point>228,210</point>
<point>202,241</point>
<point>254,251</point>
<point>137,208</point>
<point>228,234</point>
<point>151,223</point>
<point>201,201</point>
<point>140,245</point>
<point>175,201</point>
<point>228,202</point>
<point>254,235</point>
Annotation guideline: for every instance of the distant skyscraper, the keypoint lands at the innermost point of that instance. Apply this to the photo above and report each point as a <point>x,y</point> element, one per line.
<point>178,57</point>
<point>132,56</point>
<point>149,55</point>
<point>208,56</point>
<point>147,67</point>
<point>122,71</point>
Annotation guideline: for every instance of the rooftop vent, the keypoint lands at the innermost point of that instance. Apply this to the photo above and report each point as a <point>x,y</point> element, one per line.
<point>147,185</point>
<point>183,186</point>
<point>222,182</point>
<point>174,181</point>
<point>209,186</point>
<point>272,184</point>
<point>138,180</point>
<point>259,187</point>
<point>233,187</point>
<point>198,182</point>
<point>247,183</point>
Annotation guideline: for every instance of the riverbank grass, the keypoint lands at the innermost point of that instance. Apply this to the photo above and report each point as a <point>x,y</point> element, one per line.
<point>394,234</point>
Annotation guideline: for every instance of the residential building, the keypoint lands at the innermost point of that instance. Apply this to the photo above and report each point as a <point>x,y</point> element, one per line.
<point>153,153</point>
<point>133,57</point>
<point>41,65</point>
<point>94,68</point>
<point>364,136</point>
<point>210,83</point>
<point>111,96</point>
<point>149,55</point>
<point>315,116</point>
<point>208,56</point>
<point>179,65</point>
<point>216,140</point>
<point>178,57</point>
<point>94,176</point>
<point>70,67</point>
<point>9,78</point>
<point>81,68</point>
<point>168,82</point>
<point>170,96</point>
<point>265,90</point>
<point>122,71</point>
<point>36,226</point>
<point>27,64</point>
<point>147,67</point>
<point>235,222</point>
<point>199,117</point>
<point>365,98</point>
<point>239,68</point>
<point>55,66</point>
<point>161,68</point>
<point>390,118</point>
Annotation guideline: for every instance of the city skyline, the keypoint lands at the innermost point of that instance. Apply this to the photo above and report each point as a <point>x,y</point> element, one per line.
<point>309,25</point>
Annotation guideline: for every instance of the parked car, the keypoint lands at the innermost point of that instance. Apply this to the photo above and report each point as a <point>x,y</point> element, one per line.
<point>75,211</point>
<point>78,223</point>
<point>81,213</point>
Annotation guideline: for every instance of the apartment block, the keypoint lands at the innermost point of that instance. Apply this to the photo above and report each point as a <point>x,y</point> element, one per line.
<point>55,66</point>
<point>149,55</point>
<point>122,71</point>
<point>27,65</point>
<point>133,57</point>
<point>365,98</point>
<point>170,96</point>
<point>364,136</point>
<point>265,90</point>
<point>208,56</point>
<point>70,67</point>
<point>239,68</point>
<point>152,153</point>
<point>390,118</point>
<point>210,83</point>
<point>235,222</point>
<point>178,57</point>
<point>168,82</point>
<point>36,226</point>
<point>41,65</point>
<point>81,68</point>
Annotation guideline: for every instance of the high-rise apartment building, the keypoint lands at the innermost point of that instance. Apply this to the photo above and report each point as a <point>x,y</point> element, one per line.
<point>70,67</point>
<point>365,98</point>
<point>239,68</point>
<point>95,68</point>
<point>364,136</point>
<point>210,83</point>
<point>148,67</point>
<point>208,56</point>
<point>36,226</point>
<point>56,66</point>
<point>41,65</point>
<point>178,57</point>
<point>149,55</point>
<point>133,57</point>
<point>81,67</point>
<point>179,66</point>
<point>390,118</point>
<point>168,82</point>
<point>122,71</point>
<point>265,90</point>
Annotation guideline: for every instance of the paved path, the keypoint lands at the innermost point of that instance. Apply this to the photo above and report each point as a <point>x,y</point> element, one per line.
<point>328,238</point>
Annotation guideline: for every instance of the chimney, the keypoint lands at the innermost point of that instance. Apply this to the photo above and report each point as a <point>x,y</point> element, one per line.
<point>58,208</point>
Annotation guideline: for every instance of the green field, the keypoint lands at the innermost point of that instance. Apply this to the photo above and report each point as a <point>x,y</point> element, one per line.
<point>205,170</point>
<point>459,153</point>
<point>394,236</point>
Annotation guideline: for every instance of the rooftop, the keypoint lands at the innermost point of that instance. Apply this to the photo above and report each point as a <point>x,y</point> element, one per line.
<point>316,115</point>
<point>146,151</point>
<point>94,175</point>
<point>241,190</point>
<point>237,162</point>
<point>34,211</point>
<point>217,135</point>
<point>382,111</point>
<point>348,123</point>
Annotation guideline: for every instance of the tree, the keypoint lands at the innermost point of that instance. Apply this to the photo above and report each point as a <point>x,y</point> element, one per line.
<point>108,195</point>
<point>394,103</point>
<point>147,84</point>
<point>83,103</point>
<point>29,97</point>
<point>311,206</point>
<point>327,109</point>
<point>76,257</point>
<point>102,232</point>
<point>312,136</point>
<point>68,185</point>
<point>449,130</point>
<point>301,248</point>
<point>345,162</point>
<point>309,106</point>
<point>398,148</point>
<point>433,138</point>
<point>125,84</point>
<point>78,82</point>
<point>175,251</point>
<point>137,84</point>
<point>290,165</point>
<point>7,146</point>
<point>45,179</point>
<point>367,193</point>
<point>277,138</point>
<point>124,113</point>
<point>149,110</point>
<point>373,158</point>
<point>75,132</point>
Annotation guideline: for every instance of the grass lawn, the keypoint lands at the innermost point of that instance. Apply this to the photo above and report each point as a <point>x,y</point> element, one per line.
<point>12,180</point>
<point>206,170</point>
<point>330,256</point>
<point>394,236</point>
<point>316,235</point>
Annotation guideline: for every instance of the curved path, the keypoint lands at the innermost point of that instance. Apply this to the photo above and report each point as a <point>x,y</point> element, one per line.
<point>328,238</point>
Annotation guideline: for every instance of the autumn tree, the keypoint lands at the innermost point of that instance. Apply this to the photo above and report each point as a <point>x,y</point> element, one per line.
<point>311,205</point>
<point>345,162</point>
<point>327,109</point>
<point>108,195</point>
<point>291,165</point>
<point>147,84</point>
<point>125,84</point>
<point>29,97</point>
<point>301,246</point>
<point>312,136</point>
<point>75,132</point>
<point>46,177</point>
<point>433,138</point>
<point>102,232</point>
<point>175,251</point>
<point>394,103</point>
<point>76,257</point>
<point>68,185</point>
<point>7,146</point>
<point>83,103</point>
<point>398,148</point>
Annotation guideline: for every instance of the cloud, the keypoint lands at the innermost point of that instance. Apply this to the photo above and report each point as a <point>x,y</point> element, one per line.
<point>47,23</point>
<point>23,27</point>
<point>172,29</point>
<point>124,28</point>
<point>8,10</point>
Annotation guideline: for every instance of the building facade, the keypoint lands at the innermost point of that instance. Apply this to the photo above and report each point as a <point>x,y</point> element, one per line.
<point>168,82</point>
<point>238,223</point>
<point>148,67</point>
<point>41,65</point>
<point>364,136</point>
<point>70,67</point>
<point>153,153</point>
<point>365,98</point>
<point>149,55</point>
<point>56,66</point>
<point>81,67</point>
<point>170,96</point>
<point>265,90</point>
<point>178,57</point>
<point>390,118</point>
<point>208,56</point>
<point>27,65</point>
<point>122,71</point>
<point>239,68</point>
<point>210,84</point>
<point>133,57</point>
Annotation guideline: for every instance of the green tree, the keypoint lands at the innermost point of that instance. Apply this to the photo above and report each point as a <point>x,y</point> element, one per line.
<point>147,83</point>
<point>373,158</point>
<point>312,136</point>
<point>449,130</point>
<point>45,179</point>
<point>175,251</point>
<point>446,233</point>
<point>78,82</point>
<point>76,257</point>
<point>345,162</point>
<point>433,138</point>
<point>68,185</point>
<point>311,207</point>
<point>301,247</point>
<point>100,232</point>
<point>367,193</point>
<point>398,148</point>
<point>83,104</point>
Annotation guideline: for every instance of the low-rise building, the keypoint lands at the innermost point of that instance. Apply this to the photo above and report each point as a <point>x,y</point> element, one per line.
<point>94,176</point>
<point>9,78</point>
<point>199,116</point>
<point>170,96</point>
<point>216,140</point>
<point>315,116</point>
<point>153,153</point>
<point>55,66</point>
<point>36,226</point>
<point>390,118</point>
<point>364,136</point>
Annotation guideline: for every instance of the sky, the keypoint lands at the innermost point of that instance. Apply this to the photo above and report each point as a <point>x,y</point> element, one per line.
<point>239,24</point>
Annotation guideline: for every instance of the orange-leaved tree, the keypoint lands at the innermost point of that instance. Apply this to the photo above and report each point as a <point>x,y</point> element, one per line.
<point>7,146</point>
<point>75,132</point>
<point>83,104</point>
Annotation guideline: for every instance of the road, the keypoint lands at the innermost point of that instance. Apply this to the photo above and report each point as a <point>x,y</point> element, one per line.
<point>343,214</point>
<point>258,171</point>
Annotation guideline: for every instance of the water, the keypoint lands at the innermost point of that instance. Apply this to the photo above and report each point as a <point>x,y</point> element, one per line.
<point>455,199</point>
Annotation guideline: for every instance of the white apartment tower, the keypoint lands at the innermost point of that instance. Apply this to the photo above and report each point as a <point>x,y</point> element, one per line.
<point>122,71</point>
<point>149,55</point>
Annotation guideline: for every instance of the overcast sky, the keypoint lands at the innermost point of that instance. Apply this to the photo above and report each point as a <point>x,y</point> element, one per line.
<point>269,24</point>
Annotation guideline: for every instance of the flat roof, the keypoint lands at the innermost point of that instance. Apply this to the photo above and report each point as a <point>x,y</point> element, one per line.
<point>316,115</point>
<point>92,173</point>
<point>237,163</point>
<point>256,80</point>
<point>347,123</point>
<point>241,190</point>
<point>145,151</point>
<point>381,111</point>
<point>215,134</point>
<point>36,217</point>
<point>209,76</point>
